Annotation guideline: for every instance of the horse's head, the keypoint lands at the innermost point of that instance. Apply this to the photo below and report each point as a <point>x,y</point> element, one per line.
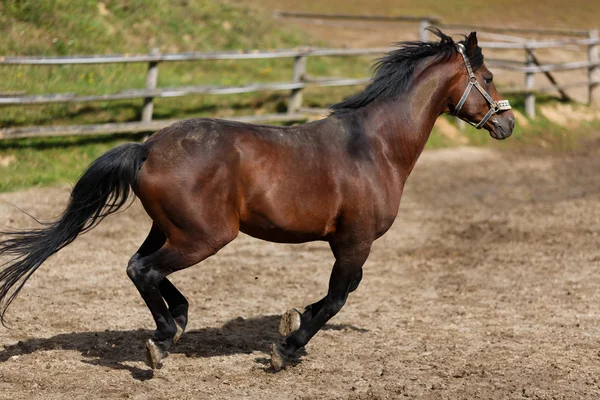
<point>474,98</point>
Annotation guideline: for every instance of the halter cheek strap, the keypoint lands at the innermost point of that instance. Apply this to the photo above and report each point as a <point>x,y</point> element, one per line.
<point>495,106</point>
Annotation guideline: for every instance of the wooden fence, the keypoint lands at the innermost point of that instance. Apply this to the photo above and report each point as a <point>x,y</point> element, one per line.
<point>299,80</point>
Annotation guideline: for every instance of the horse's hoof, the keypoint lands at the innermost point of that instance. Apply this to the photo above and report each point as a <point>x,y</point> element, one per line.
<point>177,336</point>
<point>290,322</point>
<point>277,360</point>
<point>154,354</point>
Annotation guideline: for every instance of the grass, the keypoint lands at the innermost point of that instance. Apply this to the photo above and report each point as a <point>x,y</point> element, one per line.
<point>91,27</point>
<point>40,162</point>
<point>62,27</point>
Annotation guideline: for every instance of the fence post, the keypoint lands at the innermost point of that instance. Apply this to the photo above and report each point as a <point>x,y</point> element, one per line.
<point>151,81</point>
<point>295,101</point>
<point>423,32</point>
<point>594,70</point>
<point>529,83</point>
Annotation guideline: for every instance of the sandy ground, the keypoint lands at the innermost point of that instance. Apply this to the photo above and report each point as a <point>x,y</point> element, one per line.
<point>487,286</point>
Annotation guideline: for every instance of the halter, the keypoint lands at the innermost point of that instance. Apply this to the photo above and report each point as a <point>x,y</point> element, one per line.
<point>495,106</point>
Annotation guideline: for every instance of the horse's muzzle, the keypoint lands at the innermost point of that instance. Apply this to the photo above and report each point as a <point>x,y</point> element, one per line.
<point>502,126</point>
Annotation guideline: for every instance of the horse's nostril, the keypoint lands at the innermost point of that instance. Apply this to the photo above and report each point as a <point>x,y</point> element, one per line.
<point>512,124</point>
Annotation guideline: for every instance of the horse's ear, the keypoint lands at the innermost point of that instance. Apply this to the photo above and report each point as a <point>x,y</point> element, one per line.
<point>471,44</point>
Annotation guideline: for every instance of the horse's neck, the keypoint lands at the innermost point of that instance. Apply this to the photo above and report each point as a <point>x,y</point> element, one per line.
<point>402,126</point>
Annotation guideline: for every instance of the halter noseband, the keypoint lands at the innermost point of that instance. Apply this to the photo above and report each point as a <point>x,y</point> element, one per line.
<point>495,106</point>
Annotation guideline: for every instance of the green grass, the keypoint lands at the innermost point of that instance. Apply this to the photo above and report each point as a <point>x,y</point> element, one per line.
<point>62,27</point>
<point>78,27</point>
<point>39,162</point>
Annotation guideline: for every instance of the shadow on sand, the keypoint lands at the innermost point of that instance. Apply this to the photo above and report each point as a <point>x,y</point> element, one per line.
<point>113,348</point>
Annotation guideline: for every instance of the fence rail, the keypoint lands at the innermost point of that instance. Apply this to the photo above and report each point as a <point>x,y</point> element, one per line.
<point>299,78</point>
<point>218,55</point>
<point>263,54</point>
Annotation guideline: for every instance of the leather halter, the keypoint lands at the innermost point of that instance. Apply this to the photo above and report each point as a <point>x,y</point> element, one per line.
<point>495,106</point>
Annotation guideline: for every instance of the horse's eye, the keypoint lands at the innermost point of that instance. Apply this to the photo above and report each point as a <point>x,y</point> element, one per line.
<point>489,79</point>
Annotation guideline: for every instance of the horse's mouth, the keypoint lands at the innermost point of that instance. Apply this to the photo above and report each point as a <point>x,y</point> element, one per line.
<point>499,133</point>
<point>496,135</point>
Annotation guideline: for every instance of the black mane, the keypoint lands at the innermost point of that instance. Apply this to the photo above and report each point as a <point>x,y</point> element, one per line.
<point>394,71</point>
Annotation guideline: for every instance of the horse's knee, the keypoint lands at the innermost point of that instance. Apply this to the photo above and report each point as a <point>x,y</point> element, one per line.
<point>140,273</point>
<point>133,267</point>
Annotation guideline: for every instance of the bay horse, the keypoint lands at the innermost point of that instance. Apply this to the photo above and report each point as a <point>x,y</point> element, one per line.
<point>339,180</point>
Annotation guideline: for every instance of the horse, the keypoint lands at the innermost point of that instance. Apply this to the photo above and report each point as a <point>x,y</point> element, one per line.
<point>338,179</point>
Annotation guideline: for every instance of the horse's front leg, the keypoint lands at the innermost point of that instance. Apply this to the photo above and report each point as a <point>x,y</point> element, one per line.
<point>346,273</point>
<point>293,318</point>
<point>178,306</point>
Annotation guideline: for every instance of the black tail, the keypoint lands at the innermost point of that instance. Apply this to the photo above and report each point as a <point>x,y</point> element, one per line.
<point>101,190</point>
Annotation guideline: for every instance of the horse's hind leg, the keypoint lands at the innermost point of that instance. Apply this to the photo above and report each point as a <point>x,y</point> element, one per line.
<point>349,262</point>
<point>293,318</point>
<point>147,273</point>
<point>148,270</point>
<point>178,304</point>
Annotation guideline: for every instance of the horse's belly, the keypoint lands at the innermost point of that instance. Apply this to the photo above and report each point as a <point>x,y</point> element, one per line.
<point>288,225</point>
<point>280,236</point>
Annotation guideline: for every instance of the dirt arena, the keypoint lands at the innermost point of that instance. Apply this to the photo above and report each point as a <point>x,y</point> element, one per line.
<point>487,286</point>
